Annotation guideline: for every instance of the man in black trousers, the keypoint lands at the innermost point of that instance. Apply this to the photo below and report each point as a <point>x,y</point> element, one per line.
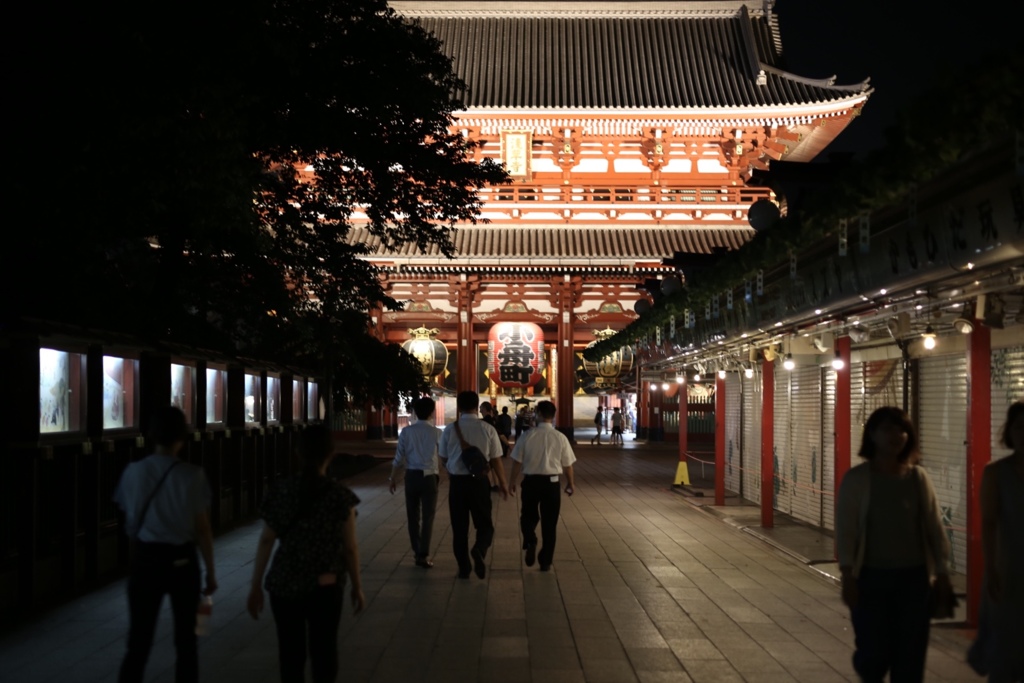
<point>542,455</point>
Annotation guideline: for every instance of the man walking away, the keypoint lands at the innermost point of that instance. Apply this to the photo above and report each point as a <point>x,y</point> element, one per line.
<point>599,425</point>
<point>469,496</point>
<point>542,455</point>
<point>616,427</point>
<point>505,423</point>
<point>417,453</point>
<point>165,504</point>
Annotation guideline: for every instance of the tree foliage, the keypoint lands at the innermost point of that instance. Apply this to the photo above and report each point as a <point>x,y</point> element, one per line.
<point>194,171</point>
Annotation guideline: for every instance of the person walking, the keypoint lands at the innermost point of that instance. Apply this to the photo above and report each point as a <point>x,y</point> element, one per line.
<point>165,503</point>
<point>542,456</point>
<point>890,541</point>
<point>487,415</point>
<point>599,425</point>
<point>469,496</point>
<point>616,427</point>
<point>313,521</point>
<point>417,454</point>
<point>1002,538</point>
<point>505,423</point>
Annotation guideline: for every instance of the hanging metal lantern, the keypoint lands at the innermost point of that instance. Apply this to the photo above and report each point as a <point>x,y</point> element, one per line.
<point>515,354</point>
<point>607,370</point>
<point>430,352</point>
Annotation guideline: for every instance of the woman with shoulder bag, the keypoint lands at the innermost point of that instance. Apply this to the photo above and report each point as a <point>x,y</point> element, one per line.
<point>314,520</point>
<point>890,542</point>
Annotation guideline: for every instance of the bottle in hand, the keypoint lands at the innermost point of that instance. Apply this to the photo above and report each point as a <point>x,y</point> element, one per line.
<point>203,613</point>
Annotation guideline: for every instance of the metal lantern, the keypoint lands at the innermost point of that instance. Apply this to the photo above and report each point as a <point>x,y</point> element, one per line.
<point>607,370</point>
<point>515,354</point>
<point>430,352</point>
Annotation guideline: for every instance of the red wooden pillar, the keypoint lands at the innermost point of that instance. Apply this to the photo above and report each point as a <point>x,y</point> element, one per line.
<point>643,407</point>
<point>841,447</point>
<point>684,412</point>
<point>466,364</point>
<point>566,380</point>
<point>979,453</point>
<point>767,443</point>
<point>719,441</point>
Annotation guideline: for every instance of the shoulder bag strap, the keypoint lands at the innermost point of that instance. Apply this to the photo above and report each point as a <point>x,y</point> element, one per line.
<point>462,439</point>
<point>145,508</point>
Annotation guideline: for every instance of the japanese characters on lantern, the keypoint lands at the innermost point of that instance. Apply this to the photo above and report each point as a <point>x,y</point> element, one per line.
<point>515,354</point>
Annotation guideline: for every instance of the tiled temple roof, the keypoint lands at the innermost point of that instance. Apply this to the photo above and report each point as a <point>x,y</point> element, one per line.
<point>613,56</point>
<point>564,244</point>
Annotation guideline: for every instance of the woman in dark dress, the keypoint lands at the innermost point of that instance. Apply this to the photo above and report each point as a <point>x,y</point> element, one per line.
<point>314,520</point>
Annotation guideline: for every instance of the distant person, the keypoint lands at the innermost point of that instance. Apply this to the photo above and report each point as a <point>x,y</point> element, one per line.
<point>1002,537</point>
<point>505,423</point>
<point>417,454</point>
<point>469,496</point>
<point>165,503</point>
<point>521,425</point>
<point>616,427</point>
<point>598,425</point>
<point>542,456</point>
<point>890,541</point>
<point>313,520</point>
<point>487,415</point>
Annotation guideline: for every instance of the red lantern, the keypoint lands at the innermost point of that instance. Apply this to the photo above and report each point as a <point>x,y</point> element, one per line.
<point>515,354</point>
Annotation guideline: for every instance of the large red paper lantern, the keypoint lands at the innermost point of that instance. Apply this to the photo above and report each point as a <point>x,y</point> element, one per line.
<point>516,354</point>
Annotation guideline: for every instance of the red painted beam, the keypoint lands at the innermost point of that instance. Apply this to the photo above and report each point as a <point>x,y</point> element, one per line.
<point>979,453</point>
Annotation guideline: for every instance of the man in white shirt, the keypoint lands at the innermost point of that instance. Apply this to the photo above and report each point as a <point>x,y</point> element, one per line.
<point>417,453</point>
<point>470,496</point>
<point>542,455</point>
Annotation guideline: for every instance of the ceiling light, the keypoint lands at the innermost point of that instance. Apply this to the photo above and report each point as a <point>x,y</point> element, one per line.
<point>680,378</point>
<point>838,363</point>
<point>929,338</point>
<point>788,363</point>
<point>696,377</point>
<point>963,326</point>
<point>721,374</point>
<point>748,372</point>
<point>664,386</point>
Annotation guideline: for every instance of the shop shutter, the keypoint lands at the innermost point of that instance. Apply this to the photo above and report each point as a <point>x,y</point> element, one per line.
<point>828,448</point>
<point>751,451</point>
<point>805,444</point>
<point>782,458</point>
<point>942,423</point>
<point>873,385</point>
<point>1007,388</point>
<point>733,430</point>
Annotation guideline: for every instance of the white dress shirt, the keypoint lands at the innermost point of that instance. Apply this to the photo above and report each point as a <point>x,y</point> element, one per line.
<point>477,433</point>
<point>543,450</point>
<point>417,448</point>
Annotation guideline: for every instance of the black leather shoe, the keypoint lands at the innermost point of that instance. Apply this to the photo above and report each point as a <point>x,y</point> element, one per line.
<point>531,554</point>
<point>478,563</point>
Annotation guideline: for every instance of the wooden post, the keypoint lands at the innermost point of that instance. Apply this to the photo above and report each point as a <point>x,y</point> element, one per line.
<point>979,453</point>
<point>767,443</point>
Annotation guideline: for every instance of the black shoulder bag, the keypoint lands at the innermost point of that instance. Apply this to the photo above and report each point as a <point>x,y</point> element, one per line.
<point>472,457</point>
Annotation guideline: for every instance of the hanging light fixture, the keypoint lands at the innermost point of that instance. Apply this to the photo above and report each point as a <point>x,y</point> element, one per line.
<point>721,373</point>
<point>788,363</point>
<point>838,363</point>
<point>929,338</point>
<point>748,372</point>
<point>664,386</point>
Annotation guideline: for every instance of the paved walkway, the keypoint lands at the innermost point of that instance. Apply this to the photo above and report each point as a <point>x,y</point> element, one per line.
<point>646,586</point>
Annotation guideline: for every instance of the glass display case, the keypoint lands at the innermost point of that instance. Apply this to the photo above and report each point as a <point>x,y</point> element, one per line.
<point>216,394</point>
<point>296,400</point>
<point>252,398</point>
<point>181,389</point>
<point>119,392</point>
<point>273,398</point>
<point>60,395</point>
<point>312,402</point>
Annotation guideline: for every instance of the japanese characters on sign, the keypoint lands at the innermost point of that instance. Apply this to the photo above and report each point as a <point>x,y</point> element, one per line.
<point>516,354</point>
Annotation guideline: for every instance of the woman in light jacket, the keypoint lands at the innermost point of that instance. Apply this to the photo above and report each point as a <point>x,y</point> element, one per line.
<point>890,542</point>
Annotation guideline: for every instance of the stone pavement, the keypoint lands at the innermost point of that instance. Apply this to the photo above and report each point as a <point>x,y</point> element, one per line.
<point>646,586</point>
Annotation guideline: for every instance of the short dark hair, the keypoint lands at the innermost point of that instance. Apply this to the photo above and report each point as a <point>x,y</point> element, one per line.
<point>546,410</point>
<point>889,415</point>
<point>504,409</point>
<point>485,406</point>
<point>316,444</point>
<point>423,407</point>
<point>1011,416</point>
<point>467,401</point>
<point>168,426</point>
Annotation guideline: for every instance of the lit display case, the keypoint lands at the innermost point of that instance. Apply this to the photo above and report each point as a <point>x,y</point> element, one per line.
<point>312,402</point>
<point>252,398</point>
<point>296,400</point>
<point>216,394</point>
<point>60,391</point>
<point>119,380</point>
<point>273,398</point>
<point>181,389</point>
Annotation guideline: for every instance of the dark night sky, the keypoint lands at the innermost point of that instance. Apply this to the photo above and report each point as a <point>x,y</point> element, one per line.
<point>904,46</point>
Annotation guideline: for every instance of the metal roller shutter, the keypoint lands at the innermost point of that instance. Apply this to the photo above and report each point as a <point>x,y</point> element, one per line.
<point>751,452</point>
<point>1007,388</point>
<point>828,448</point>
<point>943,430</point>
<point>873,385</point>
<point>805,444</point>
<point>733,431</point>
<point>782,458</point>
